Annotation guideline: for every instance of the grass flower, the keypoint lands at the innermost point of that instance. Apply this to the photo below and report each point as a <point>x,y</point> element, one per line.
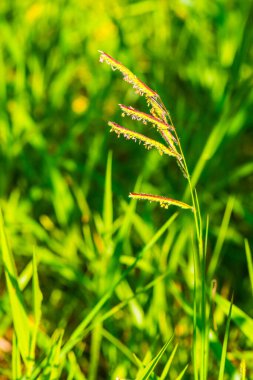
<point>148,143</point>
<point>140,87</point>
<point>158,118</point>
<point>164,201</point>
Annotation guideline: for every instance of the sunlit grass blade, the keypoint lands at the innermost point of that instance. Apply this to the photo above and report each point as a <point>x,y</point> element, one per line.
<point>120,346</point>
<point>52,368</point>
<point>37,302</point>
<point>62,197</point>
<point>108,206</point>
<point>168,364</point>
<point>249,262</point>
<point>74,369</point>
<point>195,315</point>
<point>216,348</point>
<point>221,238</point>
<point>77,334</point>
<point>182,373</point>
<point>123,291</point>
<point>96,339</point>
<point>129,215</point>
<point>225,344</point>
<point>16,360</point>
<point>164,201</point>
<point>206,302</point>
<point>239,317</point>
<point>147,371</point>
<point>243,369</point>
<point>19,315</point>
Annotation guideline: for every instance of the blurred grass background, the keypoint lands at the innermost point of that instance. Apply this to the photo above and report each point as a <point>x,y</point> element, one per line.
<point>56,99</point>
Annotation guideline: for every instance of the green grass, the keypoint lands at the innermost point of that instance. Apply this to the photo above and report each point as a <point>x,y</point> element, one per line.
<point>119,279</point>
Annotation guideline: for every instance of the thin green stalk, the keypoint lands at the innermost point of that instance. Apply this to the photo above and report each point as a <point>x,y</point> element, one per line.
<point>199,261</point>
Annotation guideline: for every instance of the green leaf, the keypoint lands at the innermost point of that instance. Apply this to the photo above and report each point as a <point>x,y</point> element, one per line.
<point>147,371</point>
<point>225,344</point>
<point>239,317</point>
<point>180,376</point>
<point>19,315</point>
<point>249,262</point>
<point>108,206</point>
<point>37,301</point>
<point>16,360</point>
<point>168,364</point>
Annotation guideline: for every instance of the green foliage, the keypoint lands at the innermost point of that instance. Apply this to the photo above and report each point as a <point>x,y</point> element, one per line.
<point>118,282</point>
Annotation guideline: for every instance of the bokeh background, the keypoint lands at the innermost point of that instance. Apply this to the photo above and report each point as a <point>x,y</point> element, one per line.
<point>56,99</point>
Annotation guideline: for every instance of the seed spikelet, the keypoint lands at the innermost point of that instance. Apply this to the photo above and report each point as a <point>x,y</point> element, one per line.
<point>148,143</point>
<point>164,201</point>
<point>140,87</point>
<point>144,117</point>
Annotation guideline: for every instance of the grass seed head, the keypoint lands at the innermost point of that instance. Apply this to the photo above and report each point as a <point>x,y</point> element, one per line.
<point>148,143</point>
<point>140,87</point>
<point>164,201</point>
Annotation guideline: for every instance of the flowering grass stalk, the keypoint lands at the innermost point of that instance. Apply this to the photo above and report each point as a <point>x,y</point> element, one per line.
<point>160,118</point>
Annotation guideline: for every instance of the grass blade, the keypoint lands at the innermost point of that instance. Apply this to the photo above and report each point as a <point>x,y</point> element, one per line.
<point>19,315</point>
<point>225,344</point>
<point>249,262</point>
<point>168,364</point>
<point>120,346</point>
<point>239,317</point>
<point>37,301</point>
<point>16,360</point>
<point>182,373</point>
<point>108,207</point>
<point>96,340</point>
<point>146,372</point>
<point>52,369</point>
<point>221,238</point>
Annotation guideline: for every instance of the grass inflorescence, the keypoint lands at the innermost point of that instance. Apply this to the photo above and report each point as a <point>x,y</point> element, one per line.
<point>95,285</point>
<point>160,118</point>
